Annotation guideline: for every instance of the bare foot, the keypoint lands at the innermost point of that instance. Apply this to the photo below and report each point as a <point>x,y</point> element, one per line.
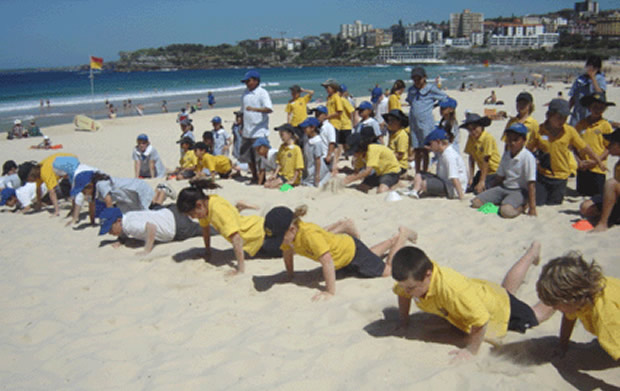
<point>599,228</point>
<point>534,251</point>
<point>410,234</point>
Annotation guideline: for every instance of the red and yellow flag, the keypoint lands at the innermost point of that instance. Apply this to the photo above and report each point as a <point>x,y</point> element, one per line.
<point>96,62</point>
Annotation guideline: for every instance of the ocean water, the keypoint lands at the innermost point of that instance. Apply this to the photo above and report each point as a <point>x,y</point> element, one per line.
<point>69,93</point>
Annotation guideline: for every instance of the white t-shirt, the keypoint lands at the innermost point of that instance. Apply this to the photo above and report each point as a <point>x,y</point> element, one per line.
<point>314,148</point>
<point>517,171</point>
<point>10,181</point>
<point>134,224</point>
<point>28,193</point>
<point>255,124</point>
<point>369,122</point>
<point>268,163</point>
<point>450,165</point>
<point>380,109</point>
<point>220,138</point>
<point>328,134</point>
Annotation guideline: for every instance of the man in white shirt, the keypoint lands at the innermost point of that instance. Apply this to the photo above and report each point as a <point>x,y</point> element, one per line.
<point>256,106</point>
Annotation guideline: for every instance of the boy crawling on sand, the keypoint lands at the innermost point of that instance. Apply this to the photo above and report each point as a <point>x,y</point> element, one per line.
<point>477,307</point>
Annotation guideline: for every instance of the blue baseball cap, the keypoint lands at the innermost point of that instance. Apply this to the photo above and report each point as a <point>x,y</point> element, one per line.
<point>143,137</point>
<point>365,105</point>
<point>81,180</point>
<point>376,94</point>
<point>261,141</point>
<point>519,128</point>
<point>448,102</point>
<point>107,218</point>
<point>6,193</point>
<point>310,121</point>
<point>320,109</point>
<point>216,119</point>
<point>343,88</point>
<point>437,134</point>
<point>251,75</point>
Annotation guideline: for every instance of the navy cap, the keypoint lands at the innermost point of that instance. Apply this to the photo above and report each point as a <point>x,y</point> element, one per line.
<point>277,222</point>
<point>365,105</point>
<point>143,137</point>
<point>6,193</point>
<point>286,127</point>
<point>526,96</point>
<point>448,102</point>
<point>251,75</point>
<point>186,140</point>
<point>261,141</point>
<point>519,128</point>
<point>310,121</point>
<point>108,217</point>
<point>216,119</point>
<point>418,71</point>
<point>320,109</point>
<point>586,101</point>
<point>343,87</point>
<point>81,180</point>
<point>399,115</point>
<point>559,106</point>
<point>375,94</point>
<point>473,118</point>
<point>437,134</point>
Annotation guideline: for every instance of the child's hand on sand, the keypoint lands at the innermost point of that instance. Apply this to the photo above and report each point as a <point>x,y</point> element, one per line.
<point>460,355</point>
<point>322,296</point>
<point>116,244</point>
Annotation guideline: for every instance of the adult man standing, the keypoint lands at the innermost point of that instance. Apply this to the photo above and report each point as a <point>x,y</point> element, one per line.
<point>255,105</point>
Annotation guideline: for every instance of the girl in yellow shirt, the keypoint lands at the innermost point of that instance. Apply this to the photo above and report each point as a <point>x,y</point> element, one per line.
<point>394,100</point>
<point>334,251</point>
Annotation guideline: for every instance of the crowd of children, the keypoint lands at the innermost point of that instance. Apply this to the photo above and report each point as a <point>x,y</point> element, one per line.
<point>532,171</point>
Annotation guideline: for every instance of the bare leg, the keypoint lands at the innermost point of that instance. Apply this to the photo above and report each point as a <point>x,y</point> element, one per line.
<point>507,211</point>
<point>611,192</point>
<point>335,159</point>
<point>159,197</point>
<point>395,243</point>
<point>382,188</point>
<point>242,205</point>
<point>589,209</point>
<point>425,160</point>
<point>344,226</point>
<point>476,203</point>
<point>273,184</point>
<point>418,161</point>
<point>515,276</point>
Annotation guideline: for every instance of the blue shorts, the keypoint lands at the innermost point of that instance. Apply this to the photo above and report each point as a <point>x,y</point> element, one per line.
<point>365,263</point>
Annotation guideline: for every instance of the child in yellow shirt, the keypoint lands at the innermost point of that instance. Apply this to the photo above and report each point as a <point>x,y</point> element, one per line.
<point>395,93</point>
<point>482,150</point>
<point>398,142</point>
<point>479,308</point>
<point>188,161</point>
<point>209,165</point>
<point>580,291</point>
<point>525,108</point>
<point>290,160</point>
<point>335,252</point>
<point>590,177</point>
<point>297,107</point>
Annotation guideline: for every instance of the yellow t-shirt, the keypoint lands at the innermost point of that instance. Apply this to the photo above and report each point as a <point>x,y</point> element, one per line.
<point>220,164</point>
<point>345,118</point>
<point>290,159</point>
<point>312,241</point>
<point>382,159</point>
<point>394,102</point>
<point>557,148</point>
<point>189,159</point>
<point>483,147</point>
<point>530,123</point>
<point>399,142</point>
<point>603,318</point>
<point>226,219</point>
<point>334,105</point>
<point>465,302</point>
<point>299,109</point>
<point>592,134</point>
<point>48,176</point>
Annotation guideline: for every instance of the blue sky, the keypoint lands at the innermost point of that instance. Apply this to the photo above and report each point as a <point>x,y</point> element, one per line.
<point>38,33</point>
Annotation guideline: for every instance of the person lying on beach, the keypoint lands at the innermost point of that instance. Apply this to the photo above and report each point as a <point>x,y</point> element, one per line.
<point>187,163</point>
<point>162,224</point>
<point>482,150</point>
<point>290,160</point>
<point>337,253</point>
<point>45,144</point>
<point>210,165</point>
<point>451,178</point>
<point>398,142</point>
<point>606,206</point>
<point>480,308</point>
<point>23,198</point>
<point>381,168</point>
<point>316,172</point>
<point>147,163</point>
<point>514,186</point>
<point>581,291</point>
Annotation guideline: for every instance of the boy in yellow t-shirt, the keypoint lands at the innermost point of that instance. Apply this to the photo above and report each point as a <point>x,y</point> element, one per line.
<point>477,307</point>
<point>398,142</point>
<point>290,160</point>
<point>188,161</point>
<point>340,253</point>
<point>590,177</point>
<point>580,291</point>
<point>296,109</point>
<point>482,150</point>
<point>209,165</point>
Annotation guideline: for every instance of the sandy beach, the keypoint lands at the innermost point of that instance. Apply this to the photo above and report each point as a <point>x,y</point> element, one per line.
<point>78,314</point>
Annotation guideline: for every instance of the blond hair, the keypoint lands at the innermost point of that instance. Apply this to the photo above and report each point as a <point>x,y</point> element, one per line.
<point>570,279</point>
<point>298,213</point>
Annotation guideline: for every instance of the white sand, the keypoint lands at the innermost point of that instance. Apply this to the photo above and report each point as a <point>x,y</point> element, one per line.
<point>75,315</point>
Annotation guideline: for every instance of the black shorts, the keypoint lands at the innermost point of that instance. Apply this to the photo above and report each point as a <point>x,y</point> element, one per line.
<point>343,135</point>
<point>590,183</point>
<point>373,180</point>
<point>365,263</point>
<point>522,316</point>
<point>225,176</point>
<point>549,191</point>
<point>614,217</point>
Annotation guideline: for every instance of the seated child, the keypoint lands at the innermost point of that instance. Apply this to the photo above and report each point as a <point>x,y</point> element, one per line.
<point>317,172</point>
<point>367,118</point>
<point>451,177</point>
<point>266,158</point>
<point>606,205</point>
<point>381,170</point>
<point>397,123</point>
<point>164,224</point>
<point>33,130</point>
<point>335,252</point>
<point>245,233</point>
<point>290,160</point>
<point>147,163</point>
<point>581,291</point>
<point>448,122</point>
<point>221,138</point>
<point>514,186</point>
<point>329,139</point>
<point>590,177</point>
<point>482,150</point>
<point>209,165</point>
<point>208,139</point>
<point>477,307</point>
<point>188,161</point>
<point>10,177</point>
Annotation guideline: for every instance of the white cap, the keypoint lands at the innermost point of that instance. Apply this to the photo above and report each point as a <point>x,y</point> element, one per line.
<point>17,122</point>
<point>46,137</point>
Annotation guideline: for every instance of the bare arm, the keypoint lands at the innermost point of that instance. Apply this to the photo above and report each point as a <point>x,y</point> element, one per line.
<point>152,168</point>
<point>404,305</point>
<point>566,329</point>
<point>150,238</point>
<point>531,195</point>
<point>206,238</point>
<point>360,175</point>
<point>459,189</point>
<point>472,166</point>
<point>337,114</point>
<point>54,199</point>
<point>474,340</point>
<point>329,274</point>
<point>136,168</point>
<point>594,156</point>
<point>288,262</point>
<point>296,176</point>
<point>317,171</point>
<point>237,242</point>
<point>484,170</point>
<point>91,212</point>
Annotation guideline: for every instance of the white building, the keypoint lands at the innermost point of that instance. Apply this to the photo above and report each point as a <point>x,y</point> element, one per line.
<point>417,34</point>
<point>354,30</point>
<point>529,41</point>
<point>420,54</point>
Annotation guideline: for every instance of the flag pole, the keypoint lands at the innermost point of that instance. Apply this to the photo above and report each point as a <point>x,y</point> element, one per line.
<point>92,91</point>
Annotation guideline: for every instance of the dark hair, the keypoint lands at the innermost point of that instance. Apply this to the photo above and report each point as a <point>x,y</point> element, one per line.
<point>595,61</point>
<point>447,126</point>
<point>200,145</point>
<point>398,84</point>
<point>207,134</point>
<point>188,197</point>
<point>365,142</point>
<point>98,176</point>
<point>8,166</point>
<point>410,262</point>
